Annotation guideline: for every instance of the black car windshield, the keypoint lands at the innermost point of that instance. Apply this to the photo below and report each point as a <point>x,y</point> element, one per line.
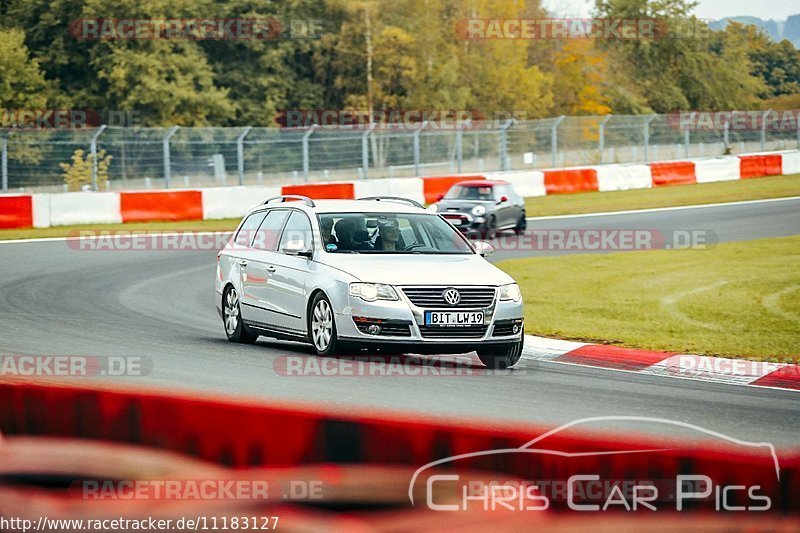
<point>470,192</point>
<point>390,233</point>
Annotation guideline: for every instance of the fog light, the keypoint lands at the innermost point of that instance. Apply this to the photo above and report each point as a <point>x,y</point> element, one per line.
<point>373,329</point>
<point>515,329</point>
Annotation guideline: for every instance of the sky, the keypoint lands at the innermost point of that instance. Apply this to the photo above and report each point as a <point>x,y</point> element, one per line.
<point>707,9</point>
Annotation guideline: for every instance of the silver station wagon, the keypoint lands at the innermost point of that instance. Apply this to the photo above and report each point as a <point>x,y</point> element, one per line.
<point>380,274</point>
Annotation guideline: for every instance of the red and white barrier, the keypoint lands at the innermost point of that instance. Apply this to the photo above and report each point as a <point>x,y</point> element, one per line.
<point>44,210</point>
<point>623,177</point>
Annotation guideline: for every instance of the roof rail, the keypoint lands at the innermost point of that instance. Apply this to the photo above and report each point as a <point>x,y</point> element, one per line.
<point>396,199</point>
<point>292,198</point>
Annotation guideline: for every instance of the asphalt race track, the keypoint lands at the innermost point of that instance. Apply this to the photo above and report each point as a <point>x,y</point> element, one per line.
<point>56,300</point>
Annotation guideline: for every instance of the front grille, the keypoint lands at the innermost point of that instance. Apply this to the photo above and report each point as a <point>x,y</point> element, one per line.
<point>471,297</point>
<point>462,332</point>
<point>389,328</point>
<point>456,219</point>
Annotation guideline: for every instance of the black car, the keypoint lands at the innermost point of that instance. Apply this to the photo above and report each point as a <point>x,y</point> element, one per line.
<point>482,208</point>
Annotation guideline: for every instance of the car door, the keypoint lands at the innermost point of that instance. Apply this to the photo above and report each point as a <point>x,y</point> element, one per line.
<point>286,289</point>
<point>240,253</point>
<point>505,210</point>
<point>257,265</point>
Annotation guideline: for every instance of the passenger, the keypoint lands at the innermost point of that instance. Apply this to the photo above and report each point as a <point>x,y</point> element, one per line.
<point>345,234</point>
<point>389,237</point>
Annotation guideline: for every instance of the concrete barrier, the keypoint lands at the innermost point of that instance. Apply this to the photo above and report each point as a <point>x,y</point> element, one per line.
<point>623,177</point>
<point>717,169</point>
<point>84,208</point>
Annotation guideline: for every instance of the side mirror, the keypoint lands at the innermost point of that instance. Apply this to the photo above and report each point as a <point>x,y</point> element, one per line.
<point>503,199</point>
<point>297,247</point>
<point>483,248</point>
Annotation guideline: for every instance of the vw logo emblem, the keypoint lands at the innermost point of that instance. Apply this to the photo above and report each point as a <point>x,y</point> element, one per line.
<point>451,296</point>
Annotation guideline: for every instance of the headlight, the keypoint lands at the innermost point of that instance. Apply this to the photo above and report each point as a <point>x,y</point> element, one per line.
<point>372,291</point>
<point>478,210</point>
<point>433,207</point>
<point>510,292</point>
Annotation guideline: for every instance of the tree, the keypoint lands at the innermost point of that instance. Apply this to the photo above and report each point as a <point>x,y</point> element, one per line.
<point>22,84</point>
<point>78,174</point>
<point>682,70</point>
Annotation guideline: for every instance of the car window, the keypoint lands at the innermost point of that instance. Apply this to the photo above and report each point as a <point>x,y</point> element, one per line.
<point>266,238</point>
<point>298,227</point>
<point>245,234</point>
<point>470,192</point>
<point>401,233</point>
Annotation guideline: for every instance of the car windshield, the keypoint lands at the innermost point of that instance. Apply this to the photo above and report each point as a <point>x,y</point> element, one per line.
<point>470,192</point>
<point>390,233</point>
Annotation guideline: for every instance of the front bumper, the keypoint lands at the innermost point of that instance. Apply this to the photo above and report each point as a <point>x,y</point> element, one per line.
<point>402,325</point>
<point>466,223</point>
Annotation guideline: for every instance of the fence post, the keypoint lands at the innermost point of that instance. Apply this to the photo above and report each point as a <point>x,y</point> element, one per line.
<point>240,153</point>
<point>686,134</point>
<point>460,144</point>
<point>167,168</point>
<point>726,136</point>
<point>4,163</point>
<point>646,136</point>
<point>554,138</point>
<point>365,150</point>
<point>305,150</point>
<point>93,150</point>
<point>764,129</point>
<point>601,140</point>
<point>505,160</point>
<point>417,169</point>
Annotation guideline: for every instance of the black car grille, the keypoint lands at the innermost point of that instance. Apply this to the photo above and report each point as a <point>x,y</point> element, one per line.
<point>471,297</point>
<point>462,332</point>
<point>389,328</point>
<point>504,328</point>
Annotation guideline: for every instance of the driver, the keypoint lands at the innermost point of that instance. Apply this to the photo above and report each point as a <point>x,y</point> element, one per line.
<point>345,233</point>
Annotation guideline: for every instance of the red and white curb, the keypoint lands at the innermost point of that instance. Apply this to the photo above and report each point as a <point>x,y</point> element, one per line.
<point>782,376</point>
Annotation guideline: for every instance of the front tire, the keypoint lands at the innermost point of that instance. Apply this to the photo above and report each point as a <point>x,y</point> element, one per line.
<point>503,356</point>
<point>322,326</point>
<point>235,329</point>
<point>491,229</point>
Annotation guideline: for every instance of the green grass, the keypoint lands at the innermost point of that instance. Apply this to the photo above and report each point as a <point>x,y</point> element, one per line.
<point>678,195</point>
<point>734,300</point>
<point>228,224</point>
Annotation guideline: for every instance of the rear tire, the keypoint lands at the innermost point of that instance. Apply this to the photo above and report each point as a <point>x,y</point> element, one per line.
<point>522,224</point>
<point>503,356</point>
<point>235,329</point>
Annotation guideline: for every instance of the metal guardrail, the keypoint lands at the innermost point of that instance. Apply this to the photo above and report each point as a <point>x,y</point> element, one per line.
<point>203,157</point>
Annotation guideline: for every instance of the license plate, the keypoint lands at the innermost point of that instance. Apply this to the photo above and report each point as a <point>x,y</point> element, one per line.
<point>453,318</point>
<point>456,221</point>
